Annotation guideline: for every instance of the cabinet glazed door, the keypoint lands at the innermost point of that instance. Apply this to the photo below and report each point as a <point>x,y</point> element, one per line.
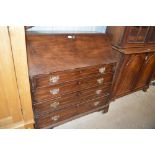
<point>131,67</point>
<point>137,34</point>
<point>146,72</point>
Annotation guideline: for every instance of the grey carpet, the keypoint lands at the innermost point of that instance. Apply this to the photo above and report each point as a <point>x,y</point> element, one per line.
<point>134,111</point>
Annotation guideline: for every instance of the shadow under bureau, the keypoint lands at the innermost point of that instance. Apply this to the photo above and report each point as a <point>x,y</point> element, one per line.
<point>70,74</point>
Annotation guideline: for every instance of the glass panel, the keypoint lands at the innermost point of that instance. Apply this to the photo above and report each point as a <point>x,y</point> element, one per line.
<point>67,29</point>
<point>132,37</point>
<point>142,33</point>
<point>151,37</point>
<point>138,34</point>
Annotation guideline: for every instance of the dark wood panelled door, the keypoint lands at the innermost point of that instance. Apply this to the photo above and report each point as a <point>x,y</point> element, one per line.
<point>146,72</point>
<point>131,68</point>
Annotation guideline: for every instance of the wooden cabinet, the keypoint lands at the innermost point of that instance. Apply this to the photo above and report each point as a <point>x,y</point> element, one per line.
<point>132,36</point>
<point>136,45</point>
<point>10,109</point>
<point>15,98</point>
<point>71,76</point>
<point>133,73</point>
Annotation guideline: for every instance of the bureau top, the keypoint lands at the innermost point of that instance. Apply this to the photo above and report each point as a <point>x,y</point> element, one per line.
<point>50,53</point>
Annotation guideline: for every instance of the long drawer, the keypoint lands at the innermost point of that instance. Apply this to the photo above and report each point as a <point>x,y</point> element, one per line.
<point>70,75</point>
<point>70,99</point>
<point>54,91</point>
<point>49,119</point>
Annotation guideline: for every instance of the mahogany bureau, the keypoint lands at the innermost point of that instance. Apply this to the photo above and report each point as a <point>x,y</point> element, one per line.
<point>70,74</point>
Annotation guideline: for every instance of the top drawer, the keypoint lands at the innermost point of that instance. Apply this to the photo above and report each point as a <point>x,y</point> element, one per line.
<point>70,75</point>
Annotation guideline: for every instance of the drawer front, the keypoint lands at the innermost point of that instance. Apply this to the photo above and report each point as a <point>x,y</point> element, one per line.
<point>50,92</point>
<point>54,117</point>
<point>70,75</point>
<point>70,99</point>
<point>90,105</point>
<point>61,115</point>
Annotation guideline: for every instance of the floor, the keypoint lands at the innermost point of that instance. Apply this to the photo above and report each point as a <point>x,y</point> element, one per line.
<point>135,111</point>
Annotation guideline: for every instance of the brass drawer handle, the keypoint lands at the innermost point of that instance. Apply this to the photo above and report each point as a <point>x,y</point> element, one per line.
<point>54,104</point>
<point>107,94</point>
<point>54,79</point>
<point>98,92</point>
<point>100,81</point>
<point>54,91</point>
<point>96,103</point>
<point>102,70</point>
<point>55,118</point>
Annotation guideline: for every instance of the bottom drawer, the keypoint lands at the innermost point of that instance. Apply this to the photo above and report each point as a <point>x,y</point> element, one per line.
<point>54,117</point>
<point>57,116</point>
<point>87,106</point>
